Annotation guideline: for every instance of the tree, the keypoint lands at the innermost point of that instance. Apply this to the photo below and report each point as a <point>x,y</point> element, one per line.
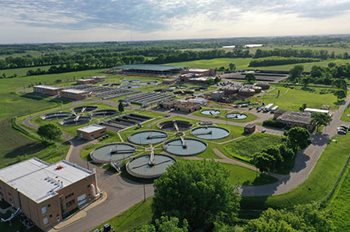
<point>321,119</point>
<point>302,218</point>
<point>250,78</point>
<point>121,107</point>
<point>274,151</point>
<point>196,191</point>
<point>296,72</point>
<point>165,224</point>
<point>303,107</point>
<point>263,161</point>
<point>298,138</point>
<point>49,132</point>
<point>340,84</point>
<point>340,94</point>
<point>306,81</point>
<point>232,67</point>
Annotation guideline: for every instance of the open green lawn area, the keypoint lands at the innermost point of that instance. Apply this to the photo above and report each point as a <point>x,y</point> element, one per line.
<point>346,115</point>
<point>243,63</point>
<point>340,204</point>
<point>21,72</point>
<point>292,98</point>
<point>318,185</point>
<point>246,147</point>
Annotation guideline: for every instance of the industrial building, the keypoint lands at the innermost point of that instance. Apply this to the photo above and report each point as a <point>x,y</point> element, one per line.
<point>91,132</point>
<point>74,94</point>
<point>201,72</point>
<point>47,90</point>
<point>153,69</point>
<point>301,119</point>
<point>47,193</point>
<point>178,105</point>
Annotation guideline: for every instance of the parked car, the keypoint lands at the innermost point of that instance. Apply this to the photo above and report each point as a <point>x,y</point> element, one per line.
<point>342,132</point>
<point>344,128</point>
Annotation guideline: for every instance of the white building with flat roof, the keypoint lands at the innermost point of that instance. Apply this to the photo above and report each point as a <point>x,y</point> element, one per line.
<point>91,132</point>
<point>47,193</point>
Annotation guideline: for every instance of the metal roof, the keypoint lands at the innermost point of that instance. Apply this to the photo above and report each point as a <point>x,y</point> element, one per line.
<point>91,128</point>
<point>39,180</point>
<point>149,67</point>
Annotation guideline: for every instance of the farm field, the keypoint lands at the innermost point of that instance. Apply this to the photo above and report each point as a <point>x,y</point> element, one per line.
<point>243,63</point>
<point>246,147</point>
<point>313,99</point>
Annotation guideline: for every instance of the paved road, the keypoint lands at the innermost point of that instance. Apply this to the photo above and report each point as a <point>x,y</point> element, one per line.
<point>122,193</point>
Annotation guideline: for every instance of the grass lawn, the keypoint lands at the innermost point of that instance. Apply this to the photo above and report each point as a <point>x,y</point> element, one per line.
<point>346,115</point>
<point>135,216</point>
<point>294,98</point>
<point>245,148</point>
<point>317,186</point>
<point>21,72</point>
<point>340,204</point>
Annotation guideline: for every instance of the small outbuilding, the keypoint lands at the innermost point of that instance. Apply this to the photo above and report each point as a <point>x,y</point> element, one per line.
<point>91,132</point>
<point>249,128</point>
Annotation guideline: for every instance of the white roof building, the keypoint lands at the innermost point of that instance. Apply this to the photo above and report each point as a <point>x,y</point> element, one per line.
<point>91,128</point>
<point>39,180</point>
<point>47,87</point>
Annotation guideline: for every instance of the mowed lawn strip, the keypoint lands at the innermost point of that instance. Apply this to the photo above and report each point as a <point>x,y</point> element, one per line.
<point>340,204</point>
<point>245,148</point>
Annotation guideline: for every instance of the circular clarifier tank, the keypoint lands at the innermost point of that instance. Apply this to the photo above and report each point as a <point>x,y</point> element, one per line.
<point>148,137</point>
<point>185,146</point>
<point>210,132</point>
<point>56,115</point>
<point>75,120</point>
<point>112,152</point>
<point>211,112</point>
<point>82,109</point>
<point>104,113</point>
<point>237,116</point>
<point>175,125</point>
<point>147,168</point>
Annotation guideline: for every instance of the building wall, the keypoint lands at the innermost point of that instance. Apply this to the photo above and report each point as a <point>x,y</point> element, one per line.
<point>73,96</point>
<point>45,91</point>
<point>93,135</point>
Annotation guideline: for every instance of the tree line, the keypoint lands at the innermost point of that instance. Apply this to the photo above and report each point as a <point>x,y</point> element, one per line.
<point>280,61</point>
<point>305,53</point>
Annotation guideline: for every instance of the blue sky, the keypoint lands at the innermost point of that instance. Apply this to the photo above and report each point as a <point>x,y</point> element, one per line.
<point>105,20</point>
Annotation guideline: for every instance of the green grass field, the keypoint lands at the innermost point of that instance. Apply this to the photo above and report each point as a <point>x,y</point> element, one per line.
<point>21,72</point>
<point>346,115</point>
<point>318,185</point>
<point>243,63</point>
<point>14,102</point>
<point>340,204</point>
<point>294,98</point>
<point>246,147</point>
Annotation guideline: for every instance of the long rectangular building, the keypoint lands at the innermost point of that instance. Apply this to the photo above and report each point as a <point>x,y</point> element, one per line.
<point>155,69</point>
<point>47,193</point>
